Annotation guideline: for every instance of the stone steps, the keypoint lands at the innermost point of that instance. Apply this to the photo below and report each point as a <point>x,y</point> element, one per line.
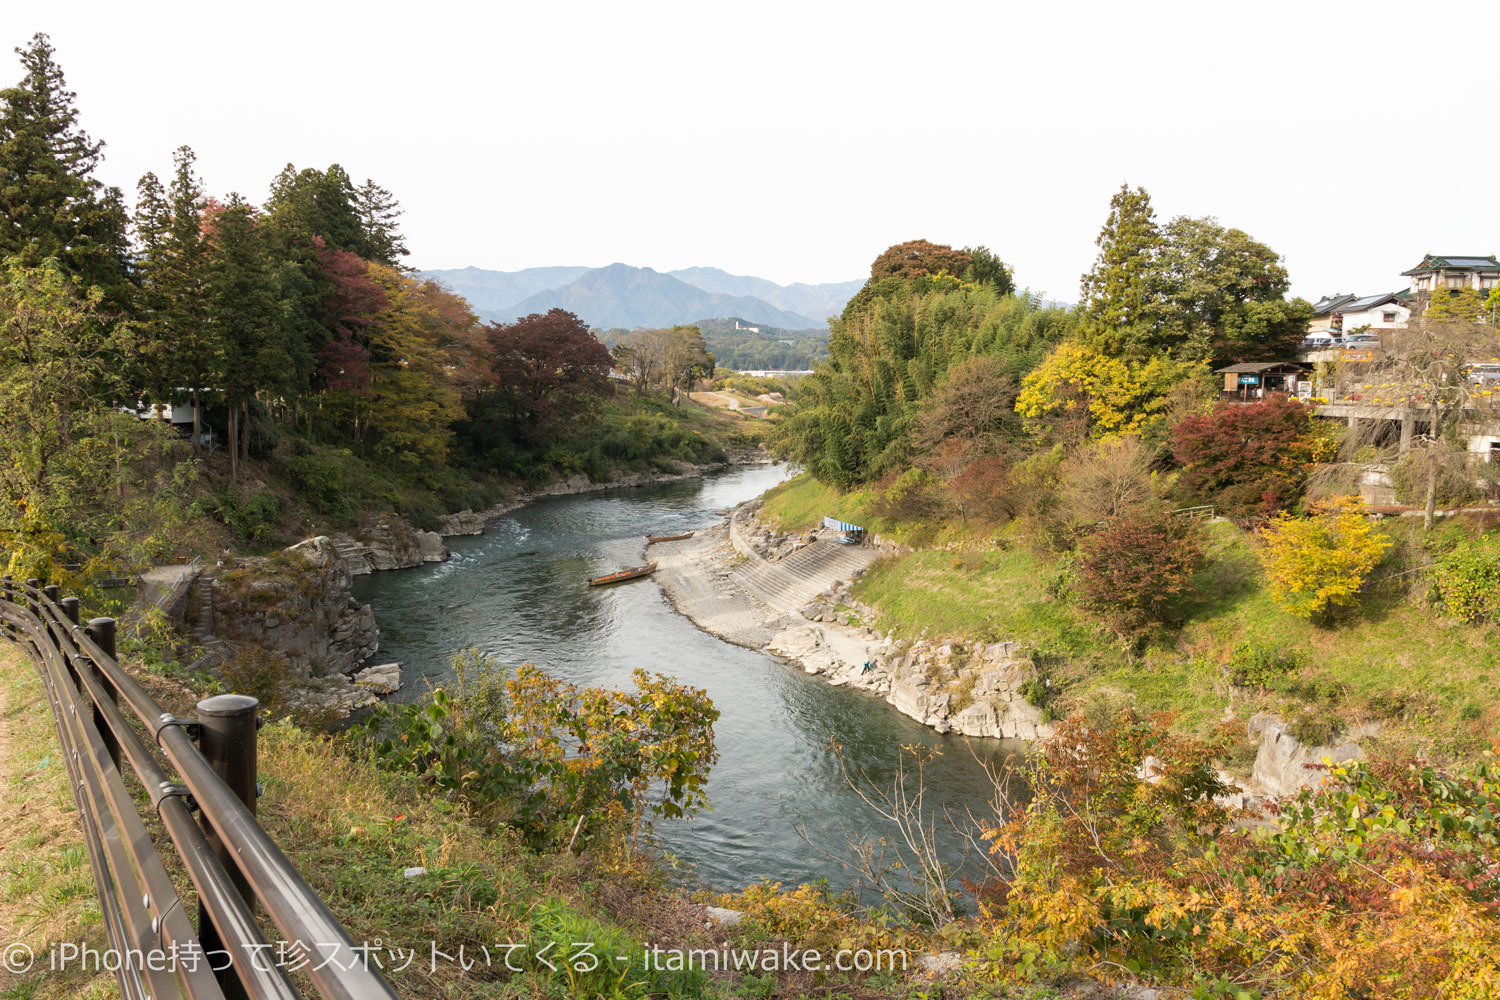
<point>789,584</point>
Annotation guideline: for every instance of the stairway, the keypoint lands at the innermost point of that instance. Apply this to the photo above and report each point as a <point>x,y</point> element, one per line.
<point>787,585</point>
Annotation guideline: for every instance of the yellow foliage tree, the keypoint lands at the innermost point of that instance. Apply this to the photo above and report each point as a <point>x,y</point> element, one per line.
<point>1107,395</point>
<point>1320,562</point>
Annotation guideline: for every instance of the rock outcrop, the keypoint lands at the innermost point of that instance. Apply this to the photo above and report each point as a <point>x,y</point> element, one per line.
<point>298,606</point>
<point>388,542</point>
<point>1284,765</point>
<point>939,684</point>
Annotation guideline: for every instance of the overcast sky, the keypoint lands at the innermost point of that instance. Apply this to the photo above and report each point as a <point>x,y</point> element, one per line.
<point>795,141</point>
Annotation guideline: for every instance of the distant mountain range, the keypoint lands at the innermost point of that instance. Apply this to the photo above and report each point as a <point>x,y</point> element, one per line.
<point>623,297</point>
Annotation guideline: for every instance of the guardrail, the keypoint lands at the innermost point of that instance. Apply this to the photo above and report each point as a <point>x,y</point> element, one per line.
<point>103,718</point>
<point>169,594</point>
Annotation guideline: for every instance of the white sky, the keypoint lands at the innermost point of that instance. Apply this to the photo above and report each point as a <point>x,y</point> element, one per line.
<point>795,141</point>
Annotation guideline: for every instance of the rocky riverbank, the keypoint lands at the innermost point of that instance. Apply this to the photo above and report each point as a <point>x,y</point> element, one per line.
<point>718,580</point>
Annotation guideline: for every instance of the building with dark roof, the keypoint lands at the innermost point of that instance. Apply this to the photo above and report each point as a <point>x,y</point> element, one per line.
<point>1340,314</point>
<point>1454,272</point>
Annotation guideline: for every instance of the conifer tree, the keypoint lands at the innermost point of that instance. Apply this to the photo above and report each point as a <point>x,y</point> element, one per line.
<point>1118,299</point>
<point>51,204</point>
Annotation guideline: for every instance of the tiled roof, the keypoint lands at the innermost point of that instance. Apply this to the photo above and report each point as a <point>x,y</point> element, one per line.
<point>1434,261</point>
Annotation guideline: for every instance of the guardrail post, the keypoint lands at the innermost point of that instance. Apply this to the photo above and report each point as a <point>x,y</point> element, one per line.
<point>102,631</point>
<point>69,607</point>
<point>8,591</point>
<point>31,604</point>
<point>227,728</point>
<point>53,594</point>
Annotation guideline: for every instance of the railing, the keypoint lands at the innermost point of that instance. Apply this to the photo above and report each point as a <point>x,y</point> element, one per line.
<point>1204,512</point>
<point>169,594</point>
<point>103,717</point>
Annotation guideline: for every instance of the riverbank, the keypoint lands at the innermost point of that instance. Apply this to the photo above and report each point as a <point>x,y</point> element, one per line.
<point>725,581</point>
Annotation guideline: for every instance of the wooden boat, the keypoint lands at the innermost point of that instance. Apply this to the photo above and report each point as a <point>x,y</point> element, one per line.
<point>633,573</point>
<point>669,538</point>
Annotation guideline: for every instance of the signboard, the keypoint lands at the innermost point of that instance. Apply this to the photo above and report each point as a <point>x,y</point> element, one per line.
<point>1249,380</point>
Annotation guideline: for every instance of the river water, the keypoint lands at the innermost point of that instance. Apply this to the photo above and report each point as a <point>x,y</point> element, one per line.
<point>518,592</point>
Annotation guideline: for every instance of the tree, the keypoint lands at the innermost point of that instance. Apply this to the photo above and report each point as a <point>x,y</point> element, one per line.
<point>1118,299</point>
<point>318,203</point>
<point>178,352</point>
<point>921,262</point>
<point>253,353</point>
<point>1106,481</point>
<point>378,213</point>
<point>1318,564</point>
<point>664,359</point>
<point>1424,373</point>
<point>1224,294</point>
<point>53,206</point>
<point>1079,392</point>
<point>687,359</point>
<point>1131,569</point>
<point>1192,288</point>
<point>546,373</point>
<point>974,406</point>
<point>1249,459</point>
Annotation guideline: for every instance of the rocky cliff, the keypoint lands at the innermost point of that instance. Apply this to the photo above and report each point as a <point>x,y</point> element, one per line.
<point>296,605</point>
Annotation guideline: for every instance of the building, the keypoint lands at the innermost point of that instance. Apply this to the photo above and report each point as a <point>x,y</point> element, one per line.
<point>1341,314</point>
<point>1252,380</point>
<point>1454,273</point>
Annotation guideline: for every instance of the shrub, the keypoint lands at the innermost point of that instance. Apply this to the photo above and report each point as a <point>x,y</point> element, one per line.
<point>1319,563</point>
<point>560,763</point>
<point>1131,570</point>
<point>1250,459</point>
<point>1467,581</point>
<point>1255,665</point>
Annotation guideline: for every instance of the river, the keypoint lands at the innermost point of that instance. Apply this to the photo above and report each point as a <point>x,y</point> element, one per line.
<point>518,592</point>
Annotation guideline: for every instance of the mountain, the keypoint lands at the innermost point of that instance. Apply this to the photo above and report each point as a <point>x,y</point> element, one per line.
<point>817,301</point>
<point>626,297</point>
<point>492,293</point>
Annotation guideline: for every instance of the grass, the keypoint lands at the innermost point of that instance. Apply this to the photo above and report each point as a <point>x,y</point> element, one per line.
<point>46,889</point>
<point>1427,682</point>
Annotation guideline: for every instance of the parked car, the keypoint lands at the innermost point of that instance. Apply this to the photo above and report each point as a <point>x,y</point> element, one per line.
<point>1316,340</point>
<point>1361,340</point>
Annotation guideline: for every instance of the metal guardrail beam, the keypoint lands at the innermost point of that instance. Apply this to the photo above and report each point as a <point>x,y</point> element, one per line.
<point>233,864</point>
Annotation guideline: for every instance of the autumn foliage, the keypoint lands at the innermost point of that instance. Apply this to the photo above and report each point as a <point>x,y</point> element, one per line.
<point>1132,569</point>
<point>1251,459</point>
<point>1319,563</point>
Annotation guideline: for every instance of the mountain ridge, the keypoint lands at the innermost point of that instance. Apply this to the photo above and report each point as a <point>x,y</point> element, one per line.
<point>624,296</point>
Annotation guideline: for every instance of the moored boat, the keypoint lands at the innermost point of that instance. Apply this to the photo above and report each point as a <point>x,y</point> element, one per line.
<point>669,538</point>
<point>633,573</point>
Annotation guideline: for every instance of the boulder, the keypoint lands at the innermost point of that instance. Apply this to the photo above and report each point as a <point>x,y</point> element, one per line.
<point>298,606</point>
<point>384,678</point>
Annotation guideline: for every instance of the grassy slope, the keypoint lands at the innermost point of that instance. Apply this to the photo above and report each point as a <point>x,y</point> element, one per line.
<point>1428,681</point>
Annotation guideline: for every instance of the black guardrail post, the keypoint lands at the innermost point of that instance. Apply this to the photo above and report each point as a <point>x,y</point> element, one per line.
<point>69,607</point>
<point>227,727</point>
<point>31,603</point>
<point>8,592</point>
<point>102,631</point>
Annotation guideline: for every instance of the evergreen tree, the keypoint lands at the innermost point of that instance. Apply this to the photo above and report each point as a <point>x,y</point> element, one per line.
<point>318,203</point>
<point>379,211</point>
<point>52,205</point>
<point>178,352</point>
<point>1118,299</point>
<point>244,316</point>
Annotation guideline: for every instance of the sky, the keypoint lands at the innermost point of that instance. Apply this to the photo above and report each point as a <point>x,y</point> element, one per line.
<point>796,141</point>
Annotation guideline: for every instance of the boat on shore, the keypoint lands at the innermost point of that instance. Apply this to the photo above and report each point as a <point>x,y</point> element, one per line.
<point>633,573</point>
<point>669,538</point>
